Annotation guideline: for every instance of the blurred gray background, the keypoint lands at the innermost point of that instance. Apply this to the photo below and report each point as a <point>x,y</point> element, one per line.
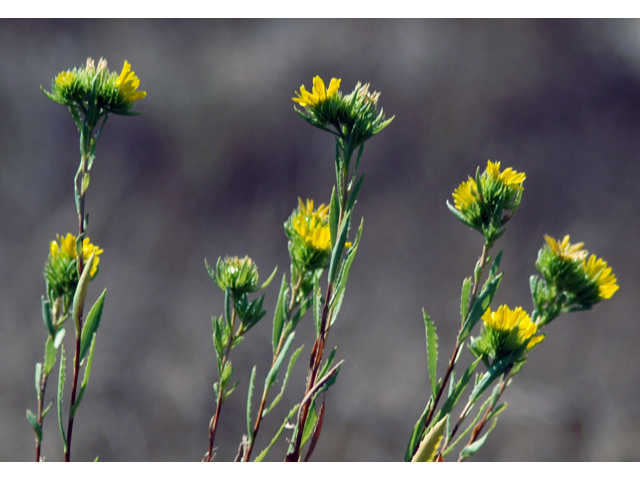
<point>216,164</point>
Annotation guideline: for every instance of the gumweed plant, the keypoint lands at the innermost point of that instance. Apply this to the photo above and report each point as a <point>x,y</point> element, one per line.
<point>318,244</point>
<point>570,282</point>
<point>90,93</point>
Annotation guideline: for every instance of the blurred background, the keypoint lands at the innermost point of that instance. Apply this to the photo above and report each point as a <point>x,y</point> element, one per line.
<point>216,165</point>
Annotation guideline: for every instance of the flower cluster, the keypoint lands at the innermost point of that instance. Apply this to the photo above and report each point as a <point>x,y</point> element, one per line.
<point>89,87</point>
<point>481,202</point>
<point>354,115</point>
<point>506,333</point>
<point>309,236</point>
<point>61,268</point>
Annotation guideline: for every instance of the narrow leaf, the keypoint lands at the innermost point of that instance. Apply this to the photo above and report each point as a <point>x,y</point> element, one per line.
<point>464,298</point>
<point>91,326</point>
<point>475,446</point>
<point>249,401</point>
<point>336,254</point>
<point>57,341</point>
<point>315,434</point>
<point>81,292</point>
<point>452,400</point>
<point>334,212</point>
<point>273,373</point>
<point>487,379</point>
<point>479,307</point>
<point>46,316</point>
<point>278,316</point>
<point>38,378</point>
<point>287,419</point>
<point>85,378</point>
<point>49,356</point>
<point>468,429</point>
<point>33,421</point>
<point>309,424</point>
<point>432,352</point>
<point>292,362</point>
<point>268,280</point>
<point>416,434</point>
<point>354,194</point>
<point>427,449</point>
<point>61,378</point>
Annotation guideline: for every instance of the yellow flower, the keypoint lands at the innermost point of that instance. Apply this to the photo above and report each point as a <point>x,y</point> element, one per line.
<point>597,271</point>
<point>65,79</point>
<point>312,225</point>
<point>465,195</point>
<point>127,84</point>
<point>506,320</point>
<point>66,247</point>
<point>509,177</point>
<point>565,249</point>
<point>318,94</point>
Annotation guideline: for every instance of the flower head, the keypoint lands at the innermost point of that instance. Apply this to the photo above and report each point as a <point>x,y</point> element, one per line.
<point>466,195</point>
<point>506,332</point>
<point>601,275</point>
<point>566,250</point>
<point>61,270</point>
<point>318,93</point>
<point>127,85</point>
<point>239,275</point>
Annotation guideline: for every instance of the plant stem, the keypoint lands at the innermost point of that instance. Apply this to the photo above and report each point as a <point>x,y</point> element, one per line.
<point>293,304</point>
<point>456,350</point>
<point>478,428</point>
<point>76,364</point>
<point>213,424</point>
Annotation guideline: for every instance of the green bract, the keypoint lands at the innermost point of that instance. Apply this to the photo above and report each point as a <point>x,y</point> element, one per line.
<point>238,275</point>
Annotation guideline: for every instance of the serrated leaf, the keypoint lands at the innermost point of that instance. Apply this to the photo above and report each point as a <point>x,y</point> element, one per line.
<point>464,298</point>
<point>249,401</point>
<point>49,356</point>
<point>287,419</point>
<point>91,325</point>
<point>61,379</point>
<point>432,352</point>
<point>278,316</point>
<point>33,421</point>
<point>427,449</point>
<point>475,446</point>
<point>46,316</point>
<point>479,307</point>
<point>292,362</point>
<point>81,292</point>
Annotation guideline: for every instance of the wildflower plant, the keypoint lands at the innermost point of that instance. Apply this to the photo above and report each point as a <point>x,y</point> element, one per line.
<point>91,93</point>
<point>318,243</point>
<point>507,335</point>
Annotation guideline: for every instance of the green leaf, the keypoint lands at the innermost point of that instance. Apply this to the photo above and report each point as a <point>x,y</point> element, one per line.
<point>456,393</point>
<point>354,194</point>
<point>49,356</point>
<point>61,378</point>
<point>458,214</point>
<point>85,378</point>
<point>38,378</point>
<point>57,340</point>
<point>497,411</point>
<point>416,434</point>
<point>427,449</point>
<point>317,305</point>
<point>249,401</point>
<point>487,379</point>
<point>81,292</point>
<point>91,326</point>
<point>33,421</point>
<point>310,424</point>
<point>86,179</point>
<point>479,307</point>
<point>475,446</point>
<point>336,254</point>
<point>494,267</point>
<point>464,298</point>
<point>338,296</point>
<point>327,364</point>
<point>268,280</point>
<point>46,410</point>
<point>278,316</point>
<point>432,352</point>
<point>46,316</point>
<point>468,429</point>
<point>334,213</point>
<point>292,362</point>
<point>273,373</point>
<point>287,419</point>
